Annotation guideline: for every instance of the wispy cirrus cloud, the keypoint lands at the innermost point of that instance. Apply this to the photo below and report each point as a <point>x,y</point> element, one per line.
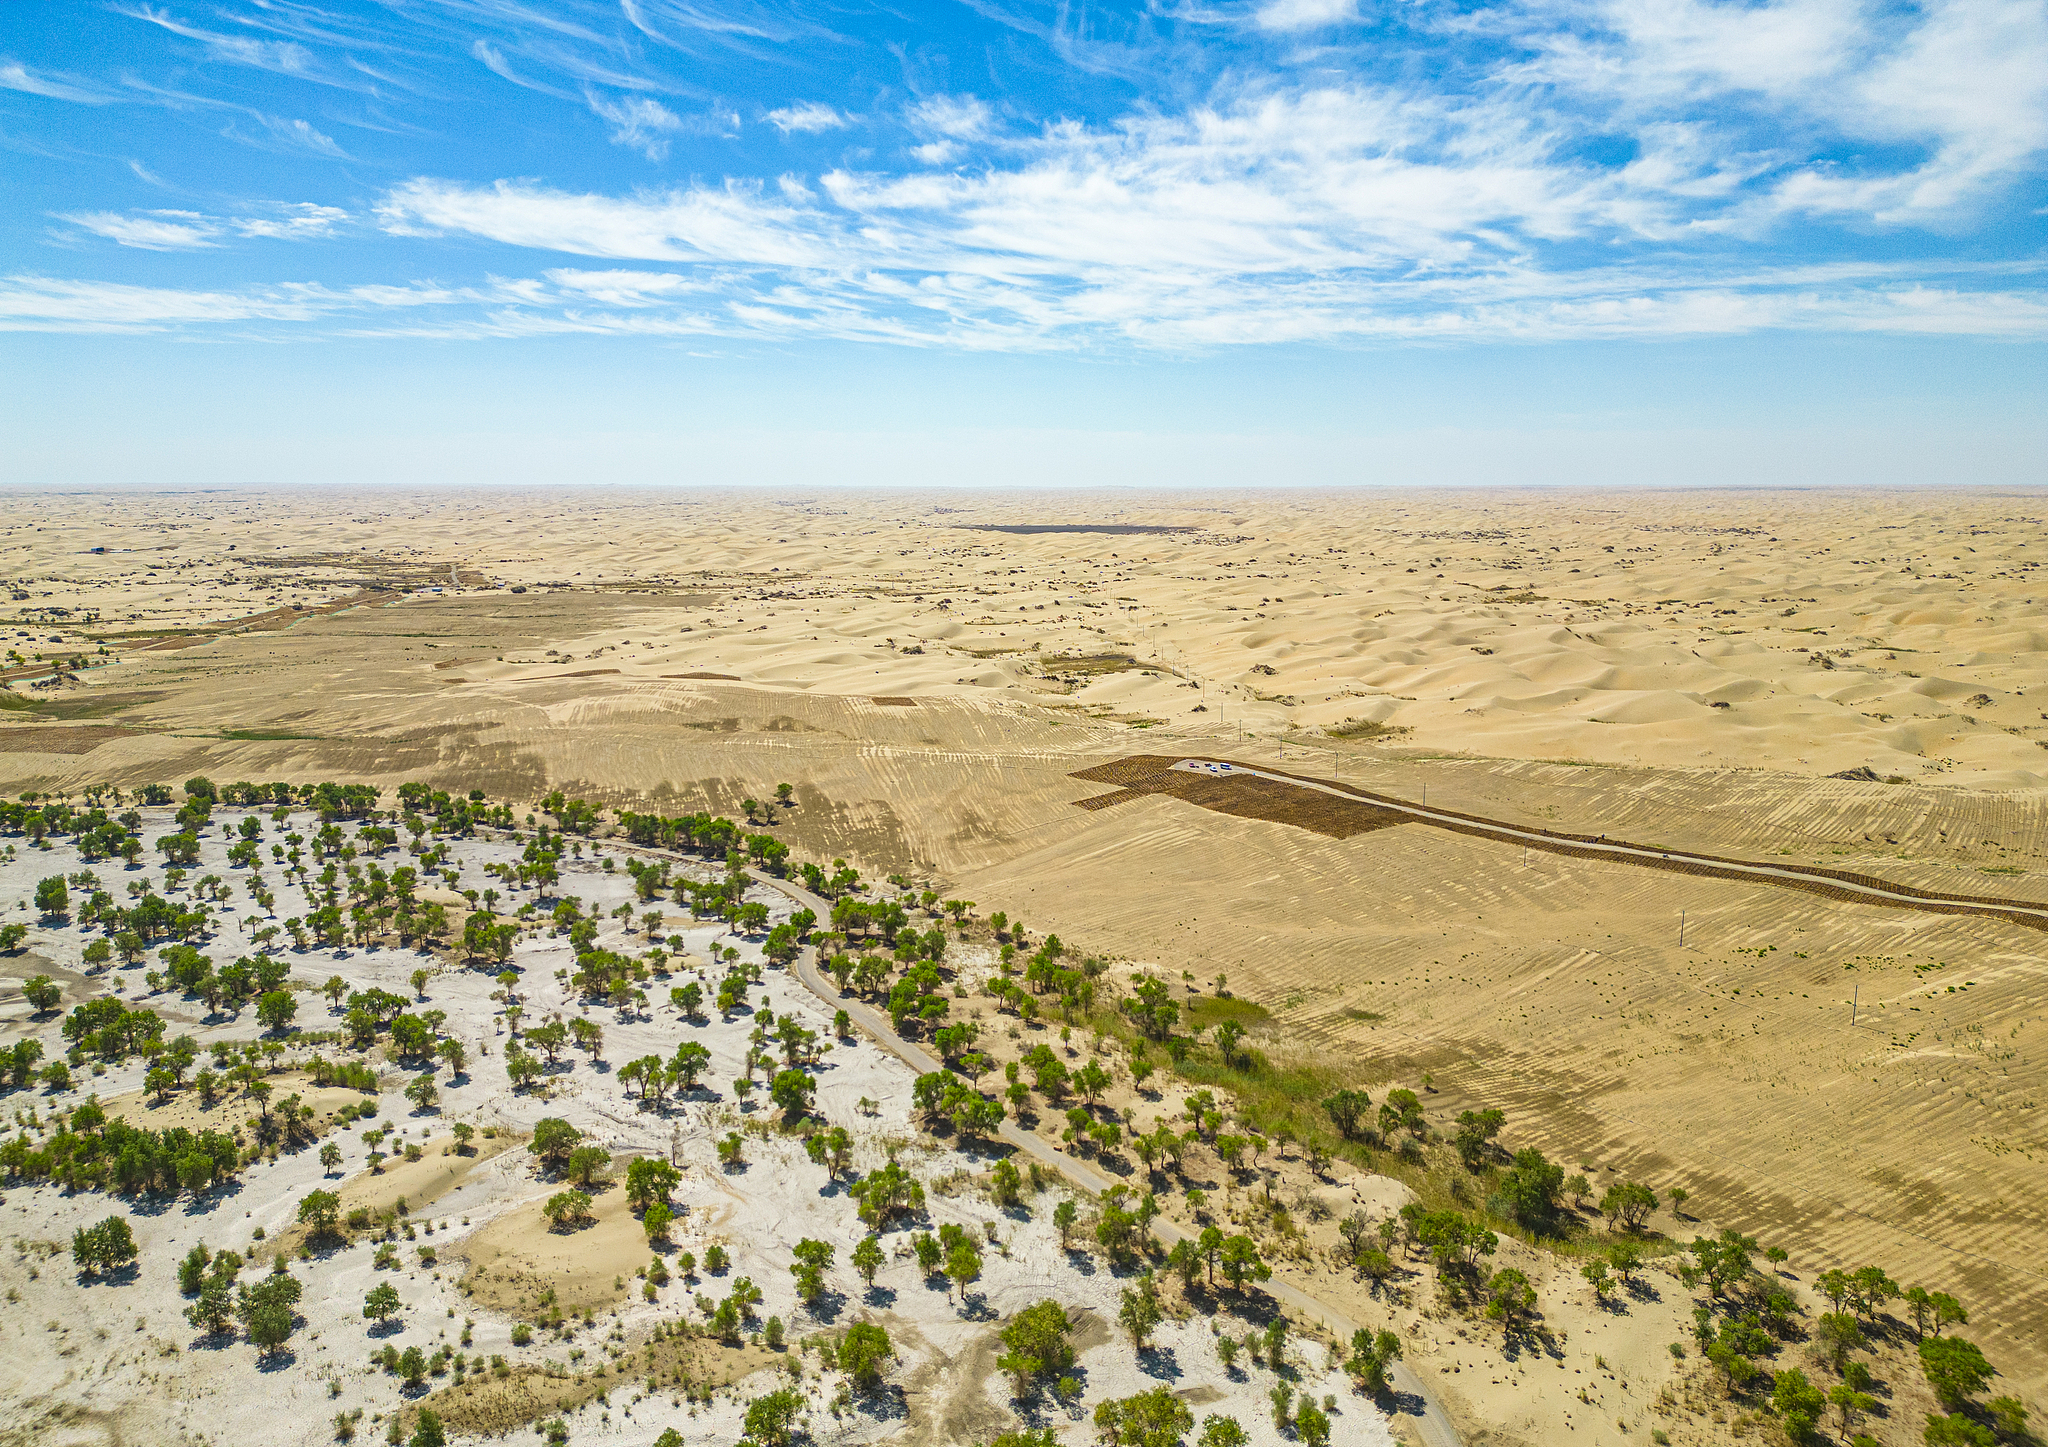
<point>284,133</point>
<point>172,230</point>
<point>285,57</point>
<point>638,121</point>
<point>18,77</point>
<point>806,118</point>
<point>1304,14</point>
<point>149,231</point>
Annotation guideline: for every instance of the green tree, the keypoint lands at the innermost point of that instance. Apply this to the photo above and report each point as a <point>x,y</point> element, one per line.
<point>1240,1262</point>
<point>1311,1427</point>
<point>1956,1431</point>
<point>649,1180</point>
<point>791,1091</point>
<point>427,1431</point>
<point>1475,1134</point>
<point>1036,1344</point>
<point>1798,1403</point>
<point>1629,1203</point>
<point>1064,1215</point>
<point>1150,1419</point>
<point>275,1009</point>
<point>552,1141</point>
<point>380,1302</point>
<point>1346,1109</point>
<point>1371,1356</point>
<point>42,993</point>
<point>691,1060</point>
<point>862,1353</point>
<point>319,1212</point>
<point>2010,1413</point>
<point>52,898</point>
<point>1510,1298</point>
<point>1139,1312</point>
<point>268,1309</point>
<point>1530,1189</point>
<point>867,1259</point>
<point>566,1207</point>
<point>103,1248</point>
<point>587,1164</point>
<point>771,1420</point>
<point>1850,1405</point>
<point>1220,1431</point>
<point>963,1264</point>
<point>1956,1369</point>
<point>1835,1335</point>
<point>812,1260</point>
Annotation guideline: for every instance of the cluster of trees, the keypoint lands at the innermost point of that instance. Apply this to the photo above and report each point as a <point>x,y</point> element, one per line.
<point>266,1310</point>
<point>708,834</point>
<point>107,1028</point>
<point>1236,1256</point>
<point>887,1192</point>
<point>951,1254</point>
<point>330,800</point>
<point>93,1151</point>
<point>657,1078</point>
<point>941,1093</point>
<point>249,977</point>
<point>916,1001</point>
<point>451,814</point>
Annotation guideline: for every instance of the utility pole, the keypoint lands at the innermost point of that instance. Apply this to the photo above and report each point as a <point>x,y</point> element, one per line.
<point>1854,1000</point>
<point>1681,929</point>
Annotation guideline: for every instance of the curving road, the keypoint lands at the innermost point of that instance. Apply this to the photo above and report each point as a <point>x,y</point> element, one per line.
<point>1859,888</point>
<point>1434,1422</point>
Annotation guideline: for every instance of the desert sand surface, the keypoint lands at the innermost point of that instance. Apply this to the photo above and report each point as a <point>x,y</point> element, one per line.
<point>930,672</point>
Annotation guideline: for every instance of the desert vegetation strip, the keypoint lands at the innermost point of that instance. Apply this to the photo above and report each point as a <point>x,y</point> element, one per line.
<point>1342,810</point>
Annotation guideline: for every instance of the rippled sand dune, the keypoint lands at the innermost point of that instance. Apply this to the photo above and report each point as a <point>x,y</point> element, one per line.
<point>1811,632</point>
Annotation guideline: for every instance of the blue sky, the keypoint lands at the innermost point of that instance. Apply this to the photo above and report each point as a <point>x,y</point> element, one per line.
<point>1540,240</point>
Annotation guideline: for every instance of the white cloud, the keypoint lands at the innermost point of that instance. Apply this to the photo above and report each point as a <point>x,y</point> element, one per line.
<point>1595,168</point>
<point>16,76</point>
<point>732,223</point>
<point>151,230</point>
<point>1304,14</point>
<point>1964,82</point>
<point>42,303</point>
<point>301,221</point>
<point>962,117</point>
<point>191,230</point>
<point>637,121</point>
<point>285,57</point>
<point>494,61</point>
<point>806,116</point>
<point>283,133</point>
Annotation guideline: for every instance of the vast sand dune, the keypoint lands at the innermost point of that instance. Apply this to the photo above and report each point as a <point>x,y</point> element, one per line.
<point>1684,668</point>
<point>1809,632</point>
